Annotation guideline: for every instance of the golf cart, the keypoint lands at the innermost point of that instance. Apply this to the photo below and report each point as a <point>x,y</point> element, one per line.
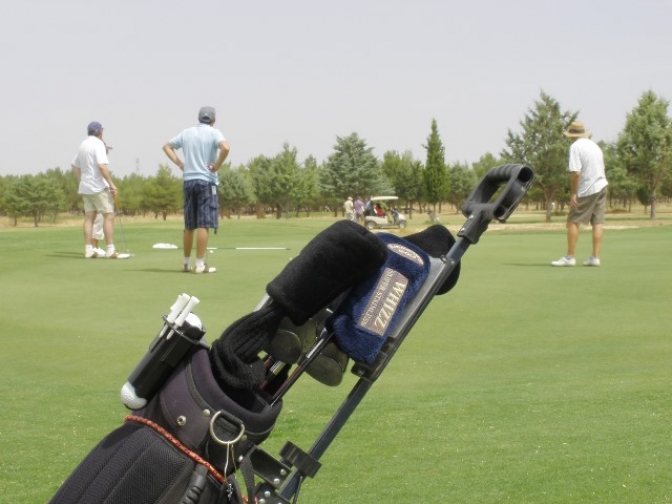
<point>376,216</point>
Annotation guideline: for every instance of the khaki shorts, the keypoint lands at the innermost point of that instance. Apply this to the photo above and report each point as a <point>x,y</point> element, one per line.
<point>101,202</point>
<point>98,233</point>
<point>590,209</point>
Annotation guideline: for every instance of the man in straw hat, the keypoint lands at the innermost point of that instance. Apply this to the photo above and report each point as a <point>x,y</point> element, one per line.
<point>588,193</point>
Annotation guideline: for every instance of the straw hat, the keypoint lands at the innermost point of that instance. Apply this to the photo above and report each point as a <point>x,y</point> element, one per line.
<point>577,130</point>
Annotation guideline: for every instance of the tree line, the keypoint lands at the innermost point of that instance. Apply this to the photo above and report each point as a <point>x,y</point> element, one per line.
<point>638,164</point>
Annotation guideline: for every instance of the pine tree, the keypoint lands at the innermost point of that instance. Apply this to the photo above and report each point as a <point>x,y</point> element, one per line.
<point>435,176</point>
<point>646,144</point>
<point>353,170</point>
<point>543,147</point>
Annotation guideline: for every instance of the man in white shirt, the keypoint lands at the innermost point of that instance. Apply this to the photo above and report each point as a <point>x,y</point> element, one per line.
<point>588,200</point>
<point>97,189</point>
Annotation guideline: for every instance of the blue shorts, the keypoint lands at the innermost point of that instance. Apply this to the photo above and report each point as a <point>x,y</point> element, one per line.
<point>201,204</point>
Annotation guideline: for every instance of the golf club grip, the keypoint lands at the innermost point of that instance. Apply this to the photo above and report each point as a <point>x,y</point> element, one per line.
<point>186,311</point>
<point>177,307</point>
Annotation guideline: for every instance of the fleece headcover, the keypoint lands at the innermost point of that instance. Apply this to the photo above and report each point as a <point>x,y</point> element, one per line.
<point>363,321</point>
<point>437,241</point>
<point>339,257</point>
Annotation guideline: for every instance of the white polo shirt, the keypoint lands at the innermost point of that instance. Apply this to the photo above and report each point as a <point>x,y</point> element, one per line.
<point>586,157</point>
<point>91,153</point>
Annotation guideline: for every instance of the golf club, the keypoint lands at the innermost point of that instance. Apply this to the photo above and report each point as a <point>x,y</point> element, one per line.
<point>121,226</point>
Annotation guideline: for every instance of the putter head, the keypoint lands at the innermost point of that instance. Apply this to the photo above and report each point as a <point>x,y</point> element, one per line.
<point>290,342</point>
<point>329,365</point>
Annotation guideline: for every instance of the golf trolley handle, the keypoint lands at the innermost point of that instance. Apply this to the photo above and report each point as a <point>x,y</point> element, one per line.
<point>480,211</point>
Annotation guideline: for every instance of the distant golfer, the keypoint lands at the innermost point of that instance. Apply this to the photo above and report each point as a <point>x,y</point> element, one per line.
<point>588,200</point>
<point>96,188</point>
<point>349,209</point>
<point>359,209</point>
<point>98,234</point>
<point>200,145</point>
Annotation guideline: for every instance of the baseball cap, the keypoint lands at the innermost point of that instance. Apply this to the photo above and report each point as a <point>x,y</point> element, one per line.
<point>94,128</point>
<point>206,115</point>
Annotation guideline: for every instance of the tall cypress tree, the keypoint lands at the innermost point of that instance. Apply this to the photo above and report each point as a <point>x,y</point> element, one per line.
<point>435,177</point>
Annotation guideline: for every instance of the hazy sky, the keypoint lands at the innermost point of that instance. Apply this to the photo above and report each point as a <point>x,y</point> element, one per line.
<point>305,72</point>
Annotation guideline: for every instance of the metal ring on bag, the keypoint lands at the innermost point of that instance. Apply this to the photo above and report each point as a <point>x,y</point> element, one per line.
<point>219,441</point>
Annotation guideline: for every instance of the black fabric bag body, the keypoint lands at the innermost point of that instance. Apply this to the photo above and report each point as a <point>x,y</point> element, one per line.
<point>180,448</point>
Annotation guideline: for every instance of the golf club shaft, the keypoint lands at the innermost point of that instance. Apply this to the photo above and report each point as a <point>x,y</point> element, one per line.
<point>123,234</point>
<point>320,343</point>
<point>275,368</point>
<point>121,225</point>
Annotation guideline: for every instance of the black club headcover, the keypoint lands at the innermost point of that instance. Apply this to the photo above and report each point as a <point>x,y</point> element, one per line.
<point>436,240</point>
<point>339,257</point>
<point>234,354</point>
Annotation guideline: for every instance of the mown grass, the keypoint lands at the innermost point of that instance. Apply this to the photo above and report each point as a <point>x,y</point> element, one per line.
<point>525,384</point>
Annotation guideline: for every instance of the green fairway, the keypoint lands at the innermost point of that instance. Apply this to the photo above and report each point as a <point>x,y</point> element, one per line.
<point>525,384</point>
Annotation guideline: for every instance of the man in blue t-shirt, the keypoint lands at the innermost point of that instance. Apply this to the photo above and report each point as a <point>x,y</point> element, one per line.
<point>205,150</point>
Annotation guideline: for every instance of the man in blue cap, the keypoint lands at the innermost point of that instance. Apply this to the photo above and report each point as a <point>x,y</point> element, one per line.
<point>205,150</point>
<point>90,166</point>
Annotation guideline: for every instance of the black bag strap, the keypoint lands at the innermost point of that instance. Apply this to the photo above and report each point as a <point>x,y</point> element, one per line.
<point>248,476</point>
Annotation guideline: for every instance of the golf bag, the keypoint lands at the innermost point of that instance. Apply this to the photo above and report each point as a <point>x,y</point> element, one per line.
<point>200,412</point>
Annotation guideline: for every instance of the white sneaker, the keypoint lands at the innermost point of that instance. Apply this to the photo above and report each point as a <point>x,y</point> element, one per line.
<point>592,261</point>
<point>564,261</point>
<point>99,251</point>
<point>92,255</point>
<point>204,269</point>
